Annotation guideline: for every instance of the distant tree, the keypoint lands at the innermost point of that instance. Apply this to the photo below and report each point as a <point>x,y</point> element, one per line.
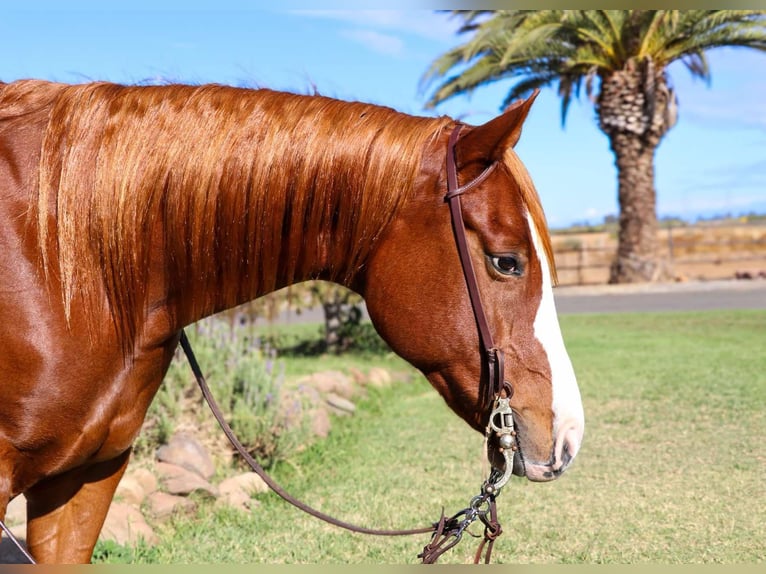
<point>341,308</point>
<point>621,58</point>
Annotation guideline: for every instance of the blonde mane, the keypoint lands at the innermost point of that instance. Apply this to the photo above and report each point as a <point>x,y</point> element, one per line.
<point>534,206</point>
<point>238,184</point>
<point>243,190</point>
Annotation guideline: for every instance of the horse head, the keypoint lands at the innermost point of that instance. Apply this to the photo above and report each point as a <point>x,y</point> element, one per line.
<point>509,247</point>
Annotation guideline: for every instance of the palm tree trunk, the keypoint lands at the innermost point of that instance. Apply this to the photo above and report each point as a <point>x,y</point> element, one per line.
<point>637,258</point>
<point>636,108</point>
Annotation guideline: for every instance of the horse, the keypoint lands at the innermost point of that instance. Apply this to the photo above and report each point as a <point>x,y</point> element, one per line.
<point>128,212</point>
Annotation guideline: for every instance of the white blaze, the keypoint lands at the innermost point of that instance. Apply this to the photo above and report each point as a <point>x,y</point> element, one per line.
<point>569,419</point>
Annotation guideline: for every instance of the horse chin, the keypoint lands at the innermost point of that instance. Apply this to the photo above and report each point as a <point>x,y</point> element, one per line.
<point>498,461</point>
<point>518,465</point>
<point>533,472</point>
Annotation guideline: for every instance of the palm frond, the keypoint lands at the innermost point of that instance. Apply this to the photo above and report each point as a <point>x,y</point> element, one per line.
<point>538,48</point>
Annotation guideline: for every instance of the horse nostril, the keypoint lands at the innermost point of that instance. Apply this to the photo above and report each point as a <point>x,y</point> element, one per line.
<point>566,457</point>
<point>567,447</point>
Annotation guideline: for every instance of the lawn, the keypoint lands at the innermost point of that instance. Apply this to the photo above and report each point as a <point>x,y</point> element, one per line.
<point>672,469</point>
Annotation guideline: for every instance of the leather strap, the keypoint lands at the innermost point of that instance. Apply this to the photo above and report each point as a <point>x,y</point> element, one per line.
<point>492,358</point>
<point>258,469</point>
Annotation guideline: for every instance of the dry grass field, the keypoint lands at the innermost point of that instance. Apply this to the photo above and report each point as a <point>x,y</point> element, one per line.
<point>694,252</point>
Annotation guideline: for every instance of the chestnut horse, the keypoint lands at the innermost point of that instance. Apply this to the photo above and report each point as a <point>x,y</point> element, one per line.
<point>129,212</point>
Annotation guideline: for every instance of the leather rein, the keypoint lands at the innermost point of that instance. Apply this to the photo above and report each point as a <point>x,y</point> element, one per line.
<point>494,392</point>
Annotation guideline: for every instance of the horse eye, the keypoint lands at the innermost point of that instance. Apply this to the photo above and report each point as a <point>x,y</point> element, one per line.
<point>506,265</point>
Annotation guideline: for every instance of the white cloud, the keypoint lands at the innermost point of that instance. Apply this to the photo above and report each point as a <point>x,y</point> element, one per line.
<point>376,41</point>
<point>423,23</point>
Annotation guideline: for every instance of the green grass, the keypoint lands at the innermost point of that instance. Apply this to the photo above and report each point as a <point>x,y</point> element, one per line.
<point>672,470</point>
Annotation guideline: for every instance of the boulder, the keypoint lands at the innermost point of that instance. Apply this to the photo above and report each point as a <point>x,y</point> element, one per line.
<point>237,491</point>
<point>330,382</point>
<point>178,480</point>
<point>145,478</point>
<point>378,377</point>
<point>130,491</point>
<point>126,525</point>
<point>340,405</point>
<point>162,504</point>
<point>186,451</point>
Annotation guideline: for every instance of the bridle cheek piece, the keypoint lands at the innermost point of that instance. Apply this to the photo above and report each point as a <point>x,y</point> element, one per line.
<point>494,391</point>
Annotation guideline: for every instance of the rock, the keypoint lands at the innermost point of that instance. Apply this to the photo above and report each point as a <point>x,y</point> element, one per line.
<point>320,422</point>
<point>162,504</point>
<point>330,382</point>
<point>186,451</point>
<point>247,482</point>
<point>359,378</point>
<point>146,479</point>
<point>130,491</point>
<point>126,525</point>
<point>340,405</point>
<point>378,377</point>
<point>237,500</point>
<point>237,491</point>
<point>178,480</point>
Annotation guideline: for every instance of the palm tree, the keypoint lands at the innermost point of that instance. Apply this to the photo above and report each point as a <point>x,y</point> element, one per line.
<point>620,58</point>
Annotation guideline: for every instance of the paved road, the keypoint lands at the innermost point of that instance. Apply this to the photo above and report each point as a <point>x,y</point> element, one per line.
<point>691,296</point>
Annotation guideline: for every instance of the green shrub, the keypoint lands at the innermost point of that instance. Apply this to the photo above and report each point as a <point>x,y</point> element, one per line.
<point>245,379</point>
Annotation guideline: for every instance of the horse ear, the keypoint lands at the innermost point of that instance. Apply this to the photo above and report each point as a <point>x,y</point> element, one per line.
<point>488,142</point>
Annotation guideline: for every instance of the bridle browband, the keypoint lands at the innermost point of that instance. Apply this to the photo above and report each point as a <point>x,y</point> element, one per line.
<point>494,392</point>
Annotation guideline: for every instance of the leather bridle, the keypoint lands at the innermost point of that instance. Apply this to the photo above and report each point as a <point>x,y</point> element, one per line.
<point>493,363</point>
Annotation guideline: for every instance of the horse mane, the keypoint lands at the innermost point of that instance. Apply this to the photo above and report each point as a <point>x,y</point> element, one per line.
<point>232,180</point>
<point>240,189</point>
<point>534,206</point>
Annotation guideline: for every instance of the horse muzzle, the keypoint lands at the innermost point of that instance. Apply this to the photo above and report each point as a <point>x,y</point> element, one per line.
<point>565,447</point>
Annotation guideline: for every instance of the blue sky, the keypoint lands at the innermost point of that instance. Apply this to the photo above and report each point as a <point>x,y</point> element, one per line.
<point>713,161</point>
